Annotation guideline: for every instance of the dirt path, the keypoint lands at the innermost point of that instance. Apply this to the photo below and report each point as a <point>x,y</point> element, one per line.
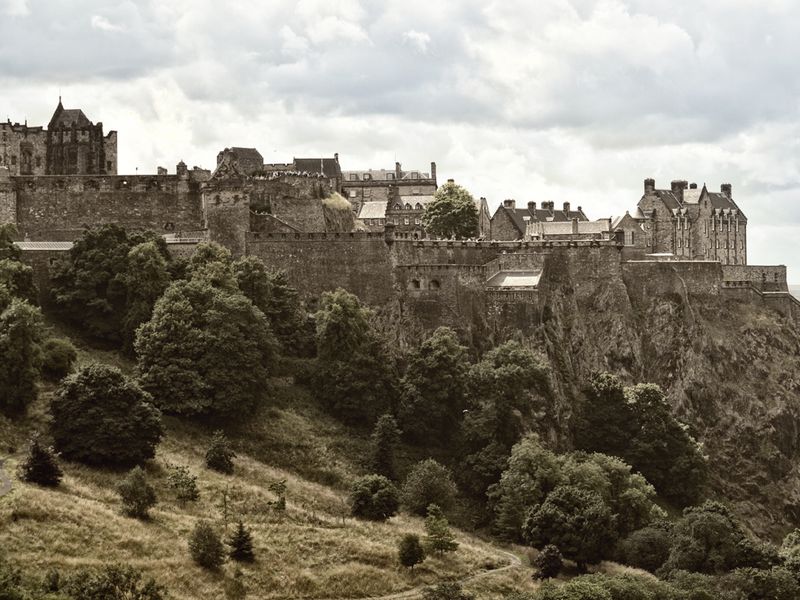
<point>5,480</point>
<point>415,593</point>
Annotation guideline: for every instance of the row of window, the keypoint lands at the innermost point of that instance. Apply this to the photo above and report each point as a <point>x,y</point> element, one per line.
<point>416,284</point>
<point>387,176</point>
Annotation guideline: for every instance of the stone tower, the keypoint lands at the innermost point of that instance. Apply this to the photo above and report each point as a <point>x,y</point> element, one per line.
<point>76,146</point>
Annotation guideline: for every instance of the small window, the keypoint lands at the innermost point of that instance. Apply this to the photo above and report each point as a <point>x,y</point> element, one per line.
<point>108,165</point>
<point>352,193</point>
<point>416,222</point>
<point>405,222</point>
<point>398,207</point>
<point>418,206</point>
<point>353,176</point>
<point>367,176</point>
<point>434,284</point>
<point>368,193</point>
<point>408,206</point>
<point>390,176</point>
<point>633,238</point>
<point>38,161</point>
<point>415,285</point>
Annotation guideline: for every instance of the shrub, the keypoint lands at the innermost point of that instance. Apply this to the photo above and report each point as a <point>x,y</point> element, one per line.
<point>137,495</point>
<point>40,465</point>
<point>183,483</point>
<point>205,351</point>
<point>373,497</point>
<point>428,483</point>
<point>385,438</point>
<point>439,538</point>
<point>113,582</point>
<point>446,591</point>
<point>241,544</point>
<point>548,563</point>
<point>410,551</point>
<point>451,214</point>
<point>220,455</point>
<point>206,547</point>
<point>646,548</point>
<point>58,358</point>
<point>101,416</point>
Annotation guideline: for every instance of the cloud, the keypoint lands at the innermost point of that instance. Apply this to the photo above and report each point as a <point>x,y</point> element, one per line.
<point>419,40</point>
<point>563,100</point>
<point>103,24</point>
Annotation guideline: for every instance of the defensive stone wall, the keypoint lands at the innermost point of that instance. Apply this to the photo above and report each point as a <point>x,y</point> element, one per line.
<point>48,204</point>
<point>766,278</point>
<point>649,278</point>
<point>292,199</point>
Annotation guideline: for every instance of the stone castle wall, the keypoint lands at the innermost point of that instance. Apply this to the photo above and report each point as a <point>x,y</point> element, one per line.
<point>49,204</point>
<point>659,278</point>
<point>766,278</point>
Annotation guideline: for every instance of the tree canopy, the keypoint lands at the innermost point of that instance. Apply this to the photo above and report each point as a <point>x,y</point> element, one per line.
<point>452,214</point>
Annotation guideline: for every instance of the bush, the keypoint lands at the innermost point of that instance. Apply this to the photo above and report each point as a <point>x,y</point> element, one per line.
<point>137,495</point>
<point>410,551</point>
<point>373,497</point>
<point>40,466</point>
<point>428,483</point>
<point>548,563</point>
<point>385,438</point>
<point>58,358</point>
<point>183,483</point>
<point>101,416</point>
<point>220,455</point>
<point>646,548</point>
<point>205,546</point>
<point>113,582</point>
<point>241,544</point>
<point>446,591</point>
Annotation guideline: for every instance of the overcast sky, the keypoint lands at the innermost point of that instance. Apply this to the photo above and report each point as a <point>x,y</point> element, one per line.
<point>563,100</point>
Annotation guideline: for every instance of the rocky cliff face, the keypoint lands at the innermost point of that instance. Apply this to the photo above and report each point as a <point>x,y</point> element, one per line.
<point>731,370</point>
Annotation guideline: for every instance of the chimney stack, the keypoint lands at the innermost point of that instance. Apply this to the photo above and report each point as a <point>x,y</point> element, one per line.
<point>532,206</point>
<point>510,203</point>
<point>397,171</point>
<point>451,181</point>
<point>649,186</point>
<point>433,171</point>
<point>727,189</point>
<point>566,207</point>
<point>575,225</point>
<point>692,186</point>
<point>677,188</point>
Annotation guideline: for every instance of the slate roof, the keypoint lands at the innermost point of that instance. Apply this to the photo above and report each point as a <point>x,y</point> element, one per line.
<point>247,153</point>
<point>515,279</point>
<point>518,215</point>
<point>385,175</point>
<point>67,116</point>
<point>373,210</point>
<point>327,166</point>
<point>413,200</point>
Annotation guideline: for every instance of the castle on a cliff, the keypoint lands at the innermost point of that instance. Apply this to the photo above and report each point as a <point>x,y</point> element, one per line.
<point>362,229</point>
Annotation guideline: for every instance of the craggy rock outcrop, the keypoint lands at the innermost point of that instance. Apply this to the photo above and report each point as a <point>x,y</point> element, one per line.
<point>731,370</point>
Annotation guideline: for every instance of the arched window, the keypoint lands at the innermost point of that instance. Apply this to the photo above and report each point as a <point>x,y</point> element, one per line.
<point>418,206</point>
<point>398,207</point>
<point>408,206</point>
<point>434,284</point>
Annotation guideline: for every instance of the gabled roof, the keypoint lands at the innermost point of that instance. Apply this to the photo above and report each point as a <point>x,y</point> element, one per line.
<point>247,153</point>
<point>669,199</point>
<point>327,166</point>
<point>522,216</point>
<point>66,117</point>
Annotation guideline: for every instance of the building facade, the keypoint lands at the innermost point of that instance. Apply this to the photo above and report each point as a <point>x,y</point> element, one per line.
<point>379,185</point>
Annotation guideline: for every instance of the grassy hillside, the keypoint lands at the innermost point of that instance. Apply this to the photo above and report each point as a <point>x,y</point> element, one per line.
<point>312,550</point>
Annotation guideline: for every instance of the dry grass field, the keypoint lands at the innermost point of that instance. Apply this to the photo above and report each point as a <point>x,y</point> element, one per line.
<point>311,550</point>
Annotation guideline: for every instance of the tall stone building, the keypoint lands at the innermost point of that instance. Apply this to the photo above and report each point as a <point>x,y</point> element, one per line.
<point>71,145</point>
<point>381,185</point>
<point>511,223</point>
<point>694,223</point>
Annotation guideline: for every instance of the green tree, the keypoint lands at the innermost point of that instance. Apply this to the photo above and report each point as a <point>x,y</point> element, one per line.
<point>18,279</point>
<point>604,422</point>
<point>220,455</point>
<point>439,538</point>
<point>8,249</point>
<point>434,388</point>
<point>409,551</point>
<point>548,563</point>
<point>58,358</point>
<point>507,389</point>
<point>427,483</point>
<point>205,546</point>
<point>452,214</point>
<point>777,583</point>
<point>578,522</point>
<point>205,351</point>
<point>146,278</point>
<point>20,353</point>
<point>101,416</point>
<point>707,539</point>
<point>138,496</point>
<point>373,497</point>
<point>212,264</point>
<point>342,325</point>
<point>385,438</point>
<point>113,582</point>
<point>90,285</point>
<point>183,484</point>
<point>40,465</point>
<point>241,544</point>
<point>662,450</point>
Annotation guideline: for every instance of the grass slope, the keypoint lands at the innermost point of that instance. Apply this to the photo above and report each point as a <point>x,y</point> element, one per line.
<point>312,550</point>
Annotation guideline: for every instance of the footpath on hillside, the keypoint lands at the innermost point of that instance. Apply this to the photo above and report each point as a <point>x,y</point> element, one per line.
<point>5,480</point>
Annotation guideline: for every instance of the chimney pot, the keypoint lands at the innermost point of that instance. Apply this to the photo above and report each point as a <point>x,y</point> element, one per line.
<point>531,206</point>
<point>566,207</point>
<point>727,189</point>
<point>510,203</point>
<point>649,185</point>
<point>693,186</point>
